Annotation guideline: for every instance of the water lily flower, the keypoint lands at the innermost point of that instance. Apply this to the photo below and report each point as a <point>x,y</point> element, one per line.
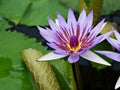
<point>113,55</point>
<point>73,38</point>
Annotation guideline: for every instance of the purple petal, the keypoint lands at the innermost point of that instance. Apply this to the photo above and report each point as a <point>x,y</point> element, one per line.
<point>60,52</point>
<point>52,45</point>
<point>101,38</point>
<point>47,34</point>
<point>82,51</point>
<point>73,58</point>
<point>88,21</point>
<point>91,56</point>
<point>97,29</point>
<point>61,20</point>
<point>53,25</point>
<point>71,21</point>
<point>117,35</point>
<point>114,43</point>
<point>50,56</point>
<point>111,55</point>
<point>82,18</point>
<point>87,26</point>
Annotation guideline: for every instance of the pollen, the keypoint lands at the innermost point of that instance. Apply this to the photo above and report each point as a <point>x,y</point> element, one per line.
<point>74,49</point>
<point>74,45</point>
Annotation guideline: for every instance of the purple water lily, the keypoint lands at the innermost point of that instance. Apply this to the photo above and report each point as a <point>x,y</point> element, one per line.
<point>113,55</point>
<point>73,38</point>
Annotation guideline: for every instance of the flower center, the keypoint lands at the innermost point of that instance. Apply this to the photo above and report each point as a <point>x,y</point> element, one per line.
<point>74,45</point>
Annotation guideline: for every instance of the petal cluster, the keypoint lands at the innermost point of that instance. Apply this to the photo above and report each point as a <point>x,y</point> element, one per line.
<point>116,44</point>
<point>73,37</point>
<point>113,55</point>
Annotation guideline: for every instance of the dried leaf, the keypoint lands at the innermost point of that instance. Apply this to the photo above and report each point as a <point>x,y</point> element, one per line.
<point>42,72</point>
<point>96,6</point>
<point>108,27</point>
<point>82,5</point>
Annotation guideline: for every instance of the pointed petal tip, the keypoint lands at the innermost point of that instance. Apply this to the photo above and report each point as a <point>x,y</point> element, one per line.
<point>39,60</point>
<point>91,12</point>
<point>43,58</point>
<point>58,15</point>
<point>103,21</point>
<point>83,11</point>
<point>108,64</point>
<point>40,29</point>
<point>73,58</point>
<point>91,56</point>
<point>50,56</point>
<point>117,85</point>
<point>49,20</point>
<point>110,54</point>
<point>90,15</point>
<point>70,11</point>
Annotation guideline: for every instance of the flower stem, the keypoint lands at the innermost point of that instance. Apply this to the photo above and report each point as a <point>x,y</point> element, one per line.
<point>78,76</point>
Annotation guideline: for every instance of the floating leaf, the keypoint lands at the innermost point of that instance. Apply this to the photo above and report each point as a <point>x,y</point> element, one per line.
<point>31,12</point>
<point>42,72</point>
<point>11,43</point>
<point>64,74</point>
<point>40,10</point>
<point>13,9</point>
<point>5,64</point>
<point>11,79</point>
<point>4,24</point>
<point>74,4</point>
<point>110,5</point>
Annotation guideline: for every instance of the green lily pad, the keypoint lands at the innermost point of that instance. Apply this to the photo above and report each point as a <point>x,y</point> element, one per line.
<point>110,6</point>
<point>11,43</point>
<point>31,12</point>
<point>13,9</point>
<point>19,77</point>
<point>4,24</point>
<point>40,10</point>
<point>64,74</point>
<point>74,4</point>
<point>5,64</point>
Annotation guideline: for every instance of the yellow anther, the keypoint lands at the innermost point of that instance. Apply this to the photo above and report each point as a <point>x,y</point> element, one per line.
<point>74,49</point>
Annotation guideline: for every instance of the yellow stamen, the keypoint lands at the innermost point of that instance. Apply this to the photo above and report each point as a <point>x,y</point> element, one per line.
<point>74,49</point>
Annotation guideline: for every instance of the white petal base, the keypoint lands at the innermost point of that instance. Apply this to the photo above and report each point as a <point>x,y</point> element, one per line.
<point>117,84</point>
<point>50,56</point>
<point>91,56</point>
